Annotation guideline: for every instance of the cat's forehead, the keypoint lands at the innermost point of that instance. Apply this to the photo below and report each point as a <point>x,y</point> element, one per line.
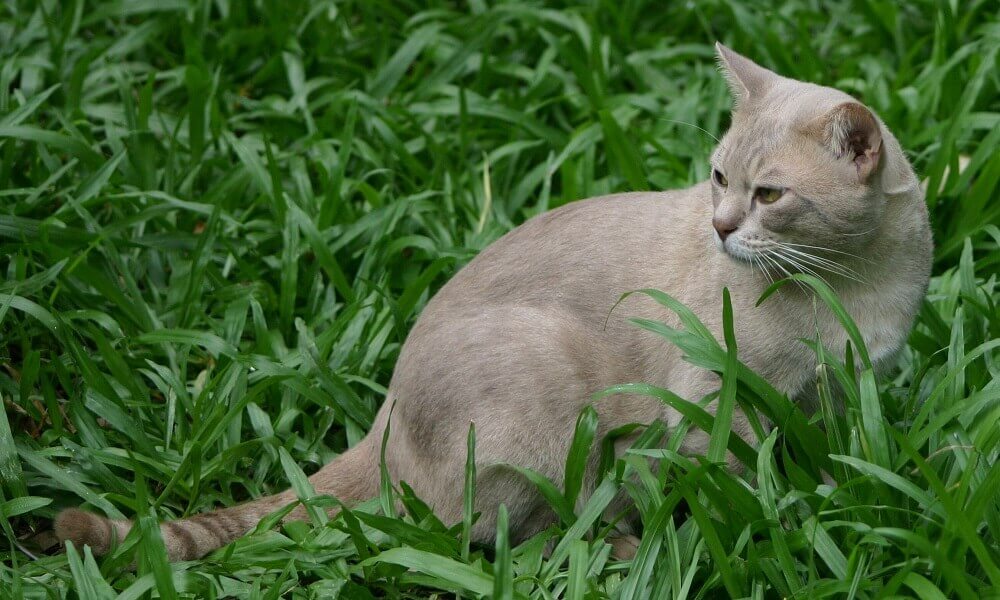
<point>766,126</point>
<point>750,141</point>
<point>794,103</point>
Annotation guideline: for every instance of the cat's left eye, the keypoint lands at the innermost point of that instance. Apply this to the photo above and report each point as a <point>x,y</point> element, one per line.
<point>720,178</point>
<point>768,195</point>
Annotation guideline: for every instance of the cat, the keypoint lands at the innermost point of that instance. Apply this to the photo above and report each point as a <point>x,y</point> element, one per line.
<point>807,179</point>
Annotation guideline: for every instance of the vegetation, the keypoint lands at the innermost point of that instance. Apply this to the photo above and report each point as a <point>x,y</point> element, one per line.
<point>219,219</point>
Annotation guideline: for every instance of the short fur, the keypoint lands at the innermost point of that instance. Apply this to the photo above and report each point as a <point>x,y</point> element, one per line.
<point>520,339</point>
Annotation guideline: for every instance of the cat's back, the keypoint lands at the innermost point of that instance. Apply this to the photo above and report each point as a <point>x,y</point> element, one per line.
<point>597,247</point>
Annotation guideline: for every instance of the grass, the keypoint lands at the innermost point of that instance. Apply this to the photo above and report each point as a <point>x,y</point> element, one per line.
<point>218,220</point>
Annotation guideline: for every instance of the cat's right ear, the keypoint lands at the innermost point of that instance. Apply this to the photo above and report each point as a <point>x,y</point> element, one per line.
<point>746,78</point>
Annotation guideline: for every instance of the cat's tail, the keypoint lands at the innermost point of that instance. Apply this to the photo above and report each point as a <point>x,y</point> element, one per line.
<point>351,477</point>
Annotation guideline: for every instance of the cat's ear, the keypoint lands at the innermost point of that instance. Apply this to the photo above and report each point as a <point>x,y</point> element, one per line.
<point>746,78</point>
<point>851,131</point>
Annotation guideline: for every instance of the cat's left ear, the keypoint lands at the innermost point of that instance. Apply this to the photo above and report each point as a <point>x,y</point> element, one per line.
<point>850,130</point>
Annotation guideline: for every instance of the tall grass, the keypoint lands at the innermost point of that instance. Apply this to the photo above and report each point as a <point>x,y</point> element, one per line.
<point>218,220</point>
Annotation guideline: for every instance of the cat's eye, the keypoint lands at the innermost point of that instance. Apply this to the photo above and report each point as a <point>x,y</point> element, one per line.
<point>720,178</point>
<point>767,195</point>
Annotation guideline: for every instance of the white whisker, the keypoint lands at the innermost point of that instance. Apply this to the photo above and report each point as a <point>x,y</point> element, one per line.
<point>818,260</point>
<point>861,233</point>
<point>702,129</point>
<point>801,258</point>
<point>765,260</point>
<point>801,267</point>
<point>824,249</point>
<point>756,259</point>
<point>825,264</point>
<point>770,254</point>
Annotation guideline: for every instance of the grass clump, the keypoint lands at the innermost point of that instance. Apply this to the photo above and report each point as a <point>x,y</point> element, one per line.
<point>219,219</point>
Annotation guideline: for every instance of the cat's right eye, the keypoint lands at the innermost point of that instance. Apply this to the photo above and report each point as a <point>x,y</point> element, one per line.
<point>720,178</point>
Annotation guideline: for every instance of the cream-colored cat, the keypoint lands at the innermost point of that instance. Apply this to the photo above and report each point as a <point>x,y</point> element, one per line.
<point>806,180</point>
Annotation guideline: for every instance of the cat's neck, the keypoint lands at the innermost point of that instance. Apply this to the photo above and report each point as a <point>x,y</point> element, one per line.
<point>900,250</point>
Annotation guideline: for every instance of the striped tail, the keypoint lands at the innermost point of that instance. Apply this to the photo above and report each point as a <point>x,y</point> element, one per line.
<point>351,477</point>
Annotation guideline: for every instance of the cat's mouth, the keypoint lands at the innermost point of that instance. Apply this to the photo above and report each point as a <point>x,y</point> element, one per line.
<point>733,248</point>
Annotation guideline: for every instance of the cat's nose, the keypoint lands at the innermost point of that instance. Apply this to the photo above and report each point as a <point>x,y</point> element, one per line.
<point>723,228</point>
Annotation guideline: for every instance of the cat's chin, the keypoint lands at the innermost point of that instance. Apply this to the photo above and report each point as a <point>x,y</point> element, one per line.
<point>739,255</point>
<point>734,251</point>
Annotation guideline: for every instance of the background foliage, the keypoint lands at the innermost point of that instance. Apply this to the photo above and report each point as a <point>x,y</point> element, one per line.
<point>218,220</point>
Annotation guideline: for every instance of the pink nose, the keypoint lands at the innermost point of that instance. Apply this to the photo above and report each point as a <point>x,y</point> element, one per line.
<point>723,228</point>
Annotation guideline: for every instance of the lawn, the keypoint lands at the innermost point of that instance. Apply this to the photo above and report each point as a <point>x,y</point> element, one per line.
<point>219,219</point>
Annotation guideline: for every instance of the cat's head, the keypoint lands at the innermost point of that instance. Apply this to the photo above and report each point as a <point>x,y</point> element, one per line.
<point>802,168</point>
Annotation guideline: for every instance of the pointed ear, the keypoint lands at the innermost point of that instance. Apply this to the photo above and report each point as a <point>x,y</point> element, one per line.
<point>851,130</point>
<point>746,78</point>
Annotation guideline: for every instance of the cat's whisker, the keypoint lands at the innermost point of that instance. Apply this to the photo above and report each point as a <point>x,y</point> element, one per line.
<point>809,271</point>
<point>822,263</point>
<point>804,263</point>
<point>861,233</point>
<point>829,266</point>
<point>754,263</point>
<point>707,132</point>
<point>801,267</point>
<point>769,252</point>
<point>770,279</point>
<point>789,245</point>
<point>818,260</point>
<point>780,273</point>
<point>833,268</point>
<point>756,259</point>
<point>761,253</point>
<point>777,257</point>
<point>825,249</point>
